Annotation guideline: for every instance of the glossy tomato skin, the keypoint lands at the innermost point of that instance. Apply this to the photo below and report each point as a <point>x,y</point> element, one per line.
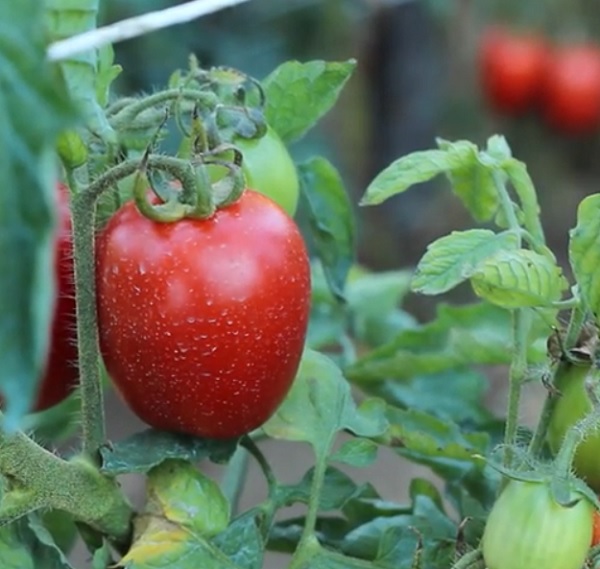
<point>572,406</point>
<point>572,89</point>
<point>270,170</point>
<point>61,371</point>
<point>202,322</point>
<point>511,69</point>
<point>527,529</point>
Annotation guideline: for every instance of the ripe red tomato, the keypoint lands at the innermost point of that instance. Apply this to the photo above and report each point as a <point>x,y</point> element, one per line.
<point>572,89</point>
<point>202,322</point>
<point>527,529</point>
<point>511,69</point>
<point>61,372</point>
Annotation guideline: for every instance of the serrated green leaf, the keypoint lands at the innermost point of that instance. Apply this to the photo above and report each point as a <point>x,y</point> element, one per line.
<point>457,395</point>
<point>405,172</point>
<point>476,334</point>
<point>242,542</point>
<point>522,183</point>
<point>473,182</point>
<point>33,110</point>
<point>107,73</point>
<point>517,279</point>
<point>331,220</point>
<point>338,490</point>
<point>149,448</point>
<point>102,557</point>
<point>163,545</point>
<point>356,452</point>
<point>498,147</point>
<point>584,252</point>
<point>79,72</point>
<point>394,541</point>
<point>21,548</point>
<point>416,168</point>
<point>188,498</point>
<point>320,404</point>
<point>299,94</point>
<point>452,259</point>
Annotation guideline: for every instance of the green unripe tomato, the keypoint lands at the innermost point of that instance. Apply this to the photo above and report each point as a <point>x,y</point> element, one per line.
<point>270,170</point>
<point>572,406</point>
<point>528,529</point>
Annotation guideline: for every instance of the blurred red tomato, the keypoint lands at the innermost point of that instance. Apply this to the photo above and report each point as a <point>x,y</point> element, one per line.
<point>572,89</point>
<point>511,68</point>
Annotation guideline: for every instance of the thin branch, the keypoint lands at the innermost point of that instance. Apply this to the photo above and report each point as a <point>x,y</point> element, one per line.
<point>137,26</point>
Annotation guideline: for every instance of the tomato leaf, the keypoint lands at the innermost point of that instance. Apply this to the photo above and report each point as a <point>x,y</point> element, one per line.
<point>517,279</point>
<point>338,490</point>
<point>186,497</point>
<point>416,168</point>
<point>79,72</point>
<point>473,182</point>
<point>584,252</point>
<point>320,404</point>
<point>22,548</point>
<point>163,545</point>
<point>331,220</point>
<point>477,334</point>
<point>299,94</point>
<point>145,450</point>
<point>33,110</point>
<point>242,542</point>
<point>456,395</point>
<point>356,452</point>
<point>454,258</point>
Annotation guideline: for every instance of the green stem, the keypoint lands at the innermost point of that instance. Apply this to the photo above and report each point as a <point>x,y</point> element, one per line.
<point>578,316</point>
<point>92,402</point>
<point>469,560</point>
<point>75,487</point>
<point>127,114</point>
<point>235,477</point>
<point>253,449</point>
<point>518,369</point>
<point>308,541</point>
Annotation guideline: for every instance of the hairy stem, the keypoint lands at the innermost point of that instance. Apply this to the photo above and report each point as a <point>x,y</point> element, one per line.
<point>92,402</point>
<point>518,369</point>
<point>75,487</point>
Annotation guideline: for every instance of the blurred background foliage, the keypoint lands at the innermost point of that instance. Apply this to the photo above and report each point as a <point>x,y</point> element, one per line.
<point>417,79</point>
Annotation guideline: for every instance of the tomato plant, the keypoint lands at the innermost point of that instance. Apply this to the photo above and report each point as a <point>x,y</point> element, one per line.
<point>572,406</point>
<point>572,89</point>
<point>527,529</point>
<point>511,69</point>
<point>61,373</point>
<point>202,322</point>
<point>270,170</point>
<point>226,325</point>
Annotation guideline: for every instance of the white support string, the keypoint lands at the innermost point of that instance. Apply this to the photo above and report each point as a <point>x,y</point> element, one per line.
<point>136,26</point>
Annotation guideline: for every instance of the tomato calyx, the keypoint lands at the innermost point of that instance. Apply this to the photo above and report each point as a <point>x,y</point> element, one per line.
<point>192,194</point>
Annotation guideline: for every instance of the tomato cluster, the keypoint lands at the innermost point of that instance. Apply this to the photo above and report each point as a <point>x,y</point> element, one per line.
<point>520,72</point>
<point>202,321</point>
